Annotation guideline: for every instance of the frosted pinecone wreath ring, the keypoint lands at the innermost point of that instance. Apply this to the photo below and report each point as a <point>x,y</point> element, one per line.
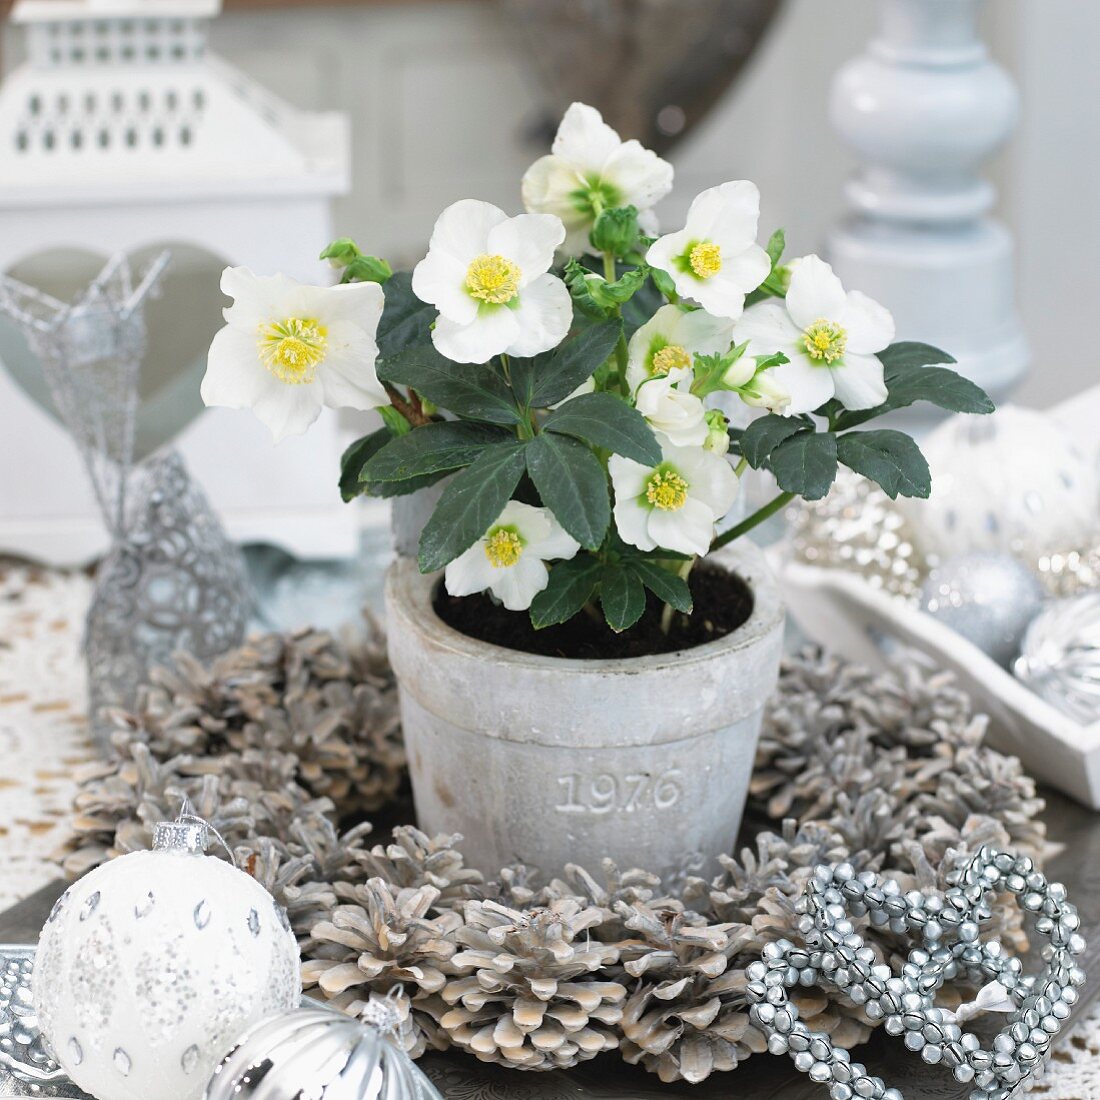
<point>835,954</point>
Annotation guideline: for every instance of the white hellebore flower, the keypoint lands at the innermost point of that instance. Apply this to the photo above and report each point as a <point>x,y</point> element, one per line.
<point>675,504</point>
<point>287,349</point>
<point>510,558</point>
<point>714,259</point>
<point>591,169</point>
<point>671,339</point>
<point>829,336</point>
<point>488,275</point>
<point>669,406</point>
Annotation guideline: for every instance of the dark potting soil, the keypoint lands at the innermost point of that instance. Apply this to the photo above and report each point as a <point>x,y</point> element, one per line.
<point>723,602</point>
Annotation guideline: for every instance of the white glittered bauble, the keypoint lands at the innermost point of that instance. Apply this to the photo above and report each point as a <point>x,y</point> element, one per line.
<point>987,598</point>
<point>1013,482</point>
<point>152,966</point>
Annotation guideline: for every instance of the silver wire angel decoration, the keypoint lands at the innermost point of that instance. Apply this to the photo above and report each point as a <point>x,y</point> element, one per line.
<point>171,580</point>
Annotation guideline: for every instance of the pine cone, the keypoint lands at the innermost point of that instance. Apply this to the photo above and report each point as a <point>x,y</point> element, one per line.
<point>679,1022</point>
<point>283,725</point>
<point>524,998</point>
<point>381,939</point>
<point>414,859</point>
<point>618,886</point>
<point>518,889</point>
<point>689,1016</point>
<point>301,874</point>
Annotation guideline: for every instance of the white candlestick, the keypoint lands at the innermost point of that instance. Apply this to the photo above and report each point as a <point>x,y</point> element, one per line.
<point>922,109</point>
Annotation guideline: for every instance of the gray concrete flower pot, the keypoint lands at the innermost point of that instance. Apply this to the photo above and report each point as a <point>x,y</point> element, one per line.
<point>410,514</point>
<point>547,761</point>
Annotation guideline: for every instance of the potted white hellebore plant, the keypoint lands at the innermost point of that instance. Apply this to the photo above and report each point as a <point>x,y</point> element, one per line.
<point>583,651</point>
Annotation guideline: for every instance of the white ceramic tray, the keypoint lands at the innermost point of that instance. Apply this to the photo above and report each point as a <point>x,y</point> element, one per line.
<point>842,612</point>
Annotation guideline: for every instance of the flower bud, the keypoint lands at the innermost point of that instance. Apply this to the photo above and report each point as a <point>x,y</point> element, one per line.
<point>718,438</point>
<point>616,230</point>
<point>341,252</point>
<point>367,269</point>
<point>764,392</point>
<point>738,373</point>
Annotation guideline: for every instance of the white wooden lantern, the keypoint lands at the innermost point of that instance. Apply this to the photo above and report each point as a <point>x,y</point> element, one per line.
<point>121,132</point>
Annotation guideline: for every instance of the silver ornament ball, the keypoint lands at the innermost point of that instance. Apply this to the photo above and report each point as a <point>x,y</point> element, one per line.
<point>990,599</point>
<point>1060,660</point>
<point>859,529</point>
<point>320,1053</point>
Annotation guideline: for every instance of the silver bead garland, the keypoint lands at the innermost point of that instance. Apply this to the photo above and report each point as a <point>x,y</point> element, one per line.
<point>835,954</point>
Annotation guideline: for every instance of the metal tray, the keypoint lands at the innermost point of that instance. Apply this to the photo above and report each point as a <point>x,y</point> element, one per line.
<point>460,1077</point>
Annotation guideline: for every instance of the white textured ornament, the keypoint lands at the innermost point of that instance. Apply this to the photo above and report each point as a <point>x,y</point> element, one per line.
<point>1061,657</point>
<point>153,965</point>
<point>1013,482</point>
<point>987,598</point>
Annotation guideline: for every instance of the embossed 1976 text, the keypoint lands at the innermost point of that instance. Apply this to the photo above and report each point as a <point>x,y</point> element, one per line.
<point>607,793</point>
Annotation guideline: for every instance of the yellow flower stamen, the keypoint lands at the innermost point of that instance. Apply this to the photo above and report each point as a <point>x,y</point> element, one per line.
<point>667,490</point>
<point>503,547</point>
<point>705,259</point>
<point>669,358</point>
<point>293,349</point>
<point>825,340</point>
<point>493,279</point>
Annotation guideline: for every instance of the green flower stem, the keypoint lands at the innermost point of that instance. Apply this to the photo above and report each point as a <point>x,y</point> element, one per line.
<point>668,610</point>
<point>593,612</point>
<point>741,466</point>
<point>752,521</point>
<point>526,430</point>
<point>412,413</point>
<point>622,354</point>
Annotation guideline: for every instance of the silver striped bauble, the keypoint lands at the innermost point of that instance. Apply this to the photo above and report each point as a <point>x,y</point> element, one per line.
<point>1060,659</point>
<point>321,1054</point>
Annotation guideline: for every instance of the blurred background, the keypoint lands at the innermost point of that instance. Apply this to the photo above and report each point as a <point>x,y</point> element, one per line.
<point>456,98</point>
<point>450,99</point>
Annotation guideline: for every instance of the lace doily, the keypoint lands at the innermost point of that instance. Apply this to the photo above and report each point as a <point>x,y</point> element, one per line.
<point>43,738</point>
<point>43,727</point>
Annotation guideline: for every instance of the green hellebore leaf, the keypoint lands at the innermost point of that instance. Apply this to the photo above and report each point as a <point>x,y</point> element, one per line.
<point>913,372</point>
<point>438,447</point>
<point>763,435</point>
<point>571,586</point>
<point>622,596</point>
<point>805,464</point>
<point>580,282</point>
<point>470,504</point>
<point>776,243</point>
<point>667,586</point>
<point>547,379</point>
<point>889,458</point>
<point>607,421</point>
<point>394,421</point>
<point>572,483</point>
<point>406,321</point>
<point>356,457</point>
<point>471,390</point>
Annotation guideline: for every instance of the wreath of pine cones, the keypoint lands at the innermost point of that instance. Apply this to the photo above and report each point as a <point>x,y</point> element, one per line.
<point>284,741</point>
